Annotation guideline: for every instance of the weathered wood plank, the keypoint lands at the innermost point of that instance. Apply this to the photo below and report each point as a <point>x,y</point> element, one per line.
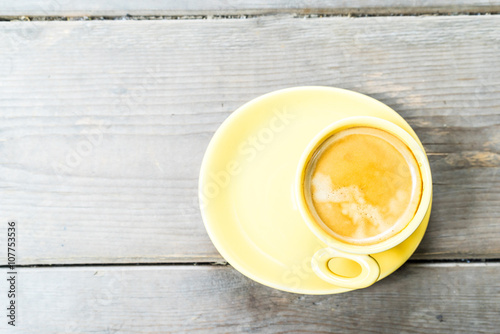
<point>241,7</point>
<point>177,299</point>
<point>104,124</point>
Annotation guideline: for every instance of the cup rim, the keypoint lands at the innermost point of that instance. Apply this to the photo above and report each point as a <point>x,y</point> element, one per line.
<point>374,122</point>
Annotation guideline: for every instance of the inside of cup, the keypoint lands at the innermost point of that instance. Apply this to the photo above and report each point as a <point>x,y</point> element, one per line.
<point>404,229</point>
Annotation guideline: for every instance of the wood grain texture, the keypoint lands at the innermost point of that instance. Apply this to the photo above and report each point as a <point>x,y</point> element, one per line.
<point>183,299</point>
<point>241,7</point>
<point>104,123</point>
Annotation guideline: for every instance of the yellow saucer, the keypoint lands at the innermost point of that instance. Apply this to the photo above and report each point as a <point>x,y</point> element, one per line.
<point>246,186</point>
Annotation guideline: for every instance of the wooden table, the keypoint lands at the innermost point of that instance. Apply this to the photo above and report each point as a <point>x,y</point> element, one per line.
<point>105,118</point>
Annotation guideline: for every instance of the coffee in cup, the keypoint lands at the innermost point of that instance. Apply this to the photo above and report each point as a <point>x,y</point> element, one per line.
<point>363,185</point>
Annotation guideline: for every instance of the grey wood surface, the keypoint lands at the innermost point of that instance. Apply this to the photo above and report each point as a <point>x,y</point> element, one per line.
<point>241,7</point>
<point>430,298</point>
<point>103,124</point>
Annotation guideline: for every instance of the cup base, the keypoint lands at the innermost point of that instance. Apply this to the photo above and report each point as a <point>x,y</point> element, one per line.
<point>246,183</point>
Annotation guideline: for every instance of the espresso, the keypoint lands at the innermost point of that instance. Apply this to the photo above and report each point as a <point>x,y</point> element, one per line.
<point>363,185</point>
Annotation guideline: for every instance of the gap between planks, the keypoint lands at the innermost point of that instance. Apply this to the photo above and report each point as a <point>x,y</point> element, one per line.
<point>297,15</point>
<point>434,263</point>
<point>149,9</point>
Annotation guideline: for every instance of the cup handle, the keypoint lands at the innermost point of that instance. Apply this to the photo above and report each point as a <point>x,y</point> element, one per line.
<point>370,270</point>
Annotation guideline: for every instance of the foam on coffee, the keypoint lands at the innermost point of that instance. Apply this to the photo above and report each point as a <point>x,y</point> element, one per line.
<point>363,185</point>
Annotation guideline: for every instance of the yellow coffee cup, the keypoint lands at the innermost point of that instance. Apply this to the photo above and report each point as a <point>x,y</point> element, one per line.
<point>336,248</point>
